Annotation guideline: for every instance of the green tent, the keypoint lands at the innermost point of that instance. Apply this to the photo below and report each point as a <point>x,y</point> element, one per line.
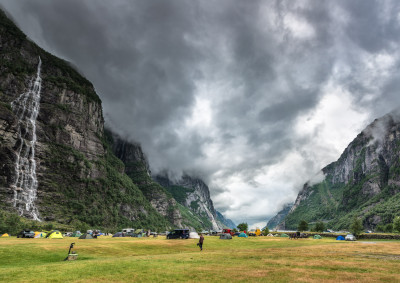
<point>86,236</point>
<point>317,237</point>
<point>76,234</point>
<point>284,235</point>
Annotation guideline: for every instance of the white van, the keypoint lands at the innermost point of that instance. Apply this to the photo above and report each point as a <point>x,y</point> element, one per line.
<point>128,230</point>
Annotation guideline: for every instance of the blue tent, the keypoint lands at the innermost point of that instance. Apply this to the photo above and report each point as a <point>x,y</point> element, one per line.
<point>340,238</point>
<point>243,235</point>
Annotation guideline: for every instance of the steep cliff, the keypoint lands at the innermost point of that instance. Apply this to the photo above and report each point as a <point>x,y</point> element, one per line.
<point>137,168</point>
<point>55,161</point>
<point>274,222</point>
<point>364,182</point>
<point>194,194</point>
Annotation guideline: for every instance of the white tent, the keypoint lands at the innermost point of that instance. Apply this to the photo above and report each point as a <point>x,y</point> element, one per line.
<point>193,235</point>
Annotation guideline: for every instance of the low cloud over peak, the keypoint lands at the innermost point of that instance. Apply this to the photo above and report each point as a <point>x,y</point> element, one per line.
<point>255,96</point>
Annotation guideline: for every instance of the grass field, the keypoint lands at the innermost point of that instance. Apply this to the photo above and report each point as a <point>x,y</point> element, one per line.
<point>261,259</point>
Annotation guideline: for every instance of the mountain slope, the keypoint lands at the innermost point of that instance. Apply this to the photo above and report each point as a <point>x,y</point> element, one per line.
<point>364,182</point>
<point>56,162</point>
<point>193,194</point>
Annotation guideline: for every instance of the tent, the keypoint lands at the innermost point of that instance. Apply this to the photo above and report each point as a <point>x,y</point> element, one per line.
<point>5,235</point>
<point>270,235</point>
<point>41,235</point>
<point>76,234</point>
<point>242,235</point>
<point>226,236</point>
<point>317,237</point>
<point>119,234</point>
<point>284,235</point>
<point>86,236</point>
<point>37,233</point>
<point>55,235</point>
<point>340,238</point>
<point>194,235</point>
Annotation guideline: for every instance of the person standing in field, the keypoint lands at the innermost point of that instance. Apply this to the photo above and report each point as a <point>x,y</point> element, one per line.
<point>201,241</point>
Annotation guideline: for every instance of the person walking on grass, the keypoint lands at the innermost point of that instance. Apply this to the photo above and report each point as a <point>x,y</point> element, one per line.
<point>201,241</point>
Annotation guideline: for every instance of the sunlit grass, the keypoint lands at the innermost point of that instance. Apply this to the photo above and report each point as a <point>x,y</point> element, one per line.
<point>159,260</point>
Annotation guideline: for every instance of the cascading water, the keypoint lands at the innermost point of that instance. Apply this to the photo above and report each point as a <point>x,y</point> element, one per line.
<point>26,108</point>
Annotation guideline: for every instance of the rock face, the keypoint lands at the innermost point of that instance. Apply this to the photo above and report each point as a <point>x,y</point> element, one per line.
<point>364,182</point>
<point>78,177</point>
<point>194,194</point>
<point>137,168</point>
<point>228,223</point>
<point>279,217</point>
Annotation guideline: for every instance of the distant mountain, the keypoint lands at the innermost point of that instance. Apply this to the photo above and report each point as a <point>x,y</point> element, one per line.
<point>279,217</point>
<point>227,223</point>
<point>193,194</point>
<point>364,182</point>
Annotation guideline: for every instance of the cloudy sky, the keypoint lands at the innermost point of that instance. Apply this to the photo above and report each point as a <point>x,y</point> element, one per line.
<point>253,96</point>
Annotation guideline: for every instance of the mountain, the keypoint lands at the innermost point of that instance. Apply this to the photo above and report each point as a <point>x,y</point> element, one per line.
<point>138,169</point>
<point>193,194</point>
<point>56,161</point>
<point>279,217</point>
<point>225,221</point>
<point>364,182</point>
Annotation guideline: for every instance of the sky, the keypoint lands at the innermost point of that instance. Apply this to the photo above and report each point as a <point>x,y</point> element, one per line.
<point>254,97</point>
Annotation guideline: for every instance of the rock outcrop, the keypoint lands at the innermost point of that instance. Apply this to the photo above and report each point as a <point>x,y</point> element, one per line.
<point>274,222</point>
<point>363,182</point>
<point>194,194</point>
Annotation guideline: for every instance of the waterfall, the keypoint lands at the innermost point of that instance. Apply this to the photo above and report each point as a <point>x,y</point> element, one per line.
<point>26,108</point>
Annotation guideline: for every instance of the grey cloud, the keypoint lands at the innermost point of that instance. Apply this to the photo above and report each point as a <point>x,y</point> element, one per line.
<point>148,58</point>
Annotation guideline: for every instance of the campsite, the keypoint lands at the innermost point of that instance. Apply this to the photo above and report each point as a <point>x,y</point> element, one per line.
<point>273,259</point>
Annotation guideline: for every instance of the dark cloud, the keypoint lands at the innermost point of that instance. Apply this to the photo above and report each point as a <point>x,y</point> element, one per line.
<point>223,89</point>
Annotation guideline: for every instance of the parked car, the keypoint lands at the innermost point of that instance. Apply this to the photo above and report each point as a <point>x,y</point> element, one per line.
<point>179,234</point>
<point>350,237</point>
<point>26,234</point>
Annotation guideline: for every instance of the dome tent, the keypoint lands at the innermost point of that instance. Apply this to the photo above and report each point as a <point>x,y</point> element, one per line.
<point>194,235</point>
<point>225,236</point>
<point>242,235</point>
<point>55,235</point>
<point>340,238</point>
<point>317,237</point>
<point>76,234</point>
<point>5,235</point>
<point>284,235</point>
<point>86,236</point>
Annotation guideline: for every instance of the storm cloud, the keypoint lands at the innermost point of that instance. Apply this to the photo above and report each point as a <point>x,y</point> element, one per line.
<point>255,97</point>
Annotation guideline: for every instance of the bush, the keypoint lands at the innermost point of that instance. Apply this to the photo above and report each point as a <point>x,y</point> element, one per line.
<point>319,227</point>
<point>266,231</point>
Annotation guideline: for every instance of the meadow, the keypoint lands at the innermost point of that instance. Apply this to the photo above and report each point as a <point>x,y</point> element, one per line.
<point>261,259</point>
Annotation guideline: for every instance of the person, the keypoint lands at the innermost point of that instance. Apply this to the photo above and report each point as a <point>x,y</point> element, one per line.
<point>201,241</point>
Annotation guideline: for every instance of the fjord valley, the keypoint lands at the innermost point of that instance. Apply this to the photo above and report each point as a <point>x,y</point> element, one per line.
<point>59,163</point>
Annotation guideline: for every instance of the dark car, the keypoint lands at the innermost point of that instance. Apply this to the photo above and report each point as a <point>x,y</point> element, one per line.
<point>26,234</point>
<point>179,234</point>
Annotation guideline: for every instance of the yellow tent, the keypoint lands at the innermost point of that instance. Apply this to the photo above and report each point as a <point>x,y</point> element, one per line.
<point>37,233</point>
<point>5,235</point>
<point>55,235</point>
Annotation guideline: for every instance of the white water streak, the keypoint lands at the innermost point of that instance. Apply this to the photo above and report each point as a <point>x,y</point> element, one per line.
<point>26,108</point>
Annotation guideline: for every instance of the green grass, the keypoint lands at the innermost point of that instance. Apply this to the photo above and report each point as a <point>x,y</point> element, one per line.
<point>159,260</point>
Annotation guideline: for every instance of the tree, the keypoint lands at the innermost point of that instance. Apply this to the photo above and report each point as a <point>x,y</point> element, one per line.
<point>266,231</point>
<point>356,226</point>
<point>319,227</point>
<point>389,228</point>
<point>242,226</point>
<point>396,224</point>
<point>303,226</point>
